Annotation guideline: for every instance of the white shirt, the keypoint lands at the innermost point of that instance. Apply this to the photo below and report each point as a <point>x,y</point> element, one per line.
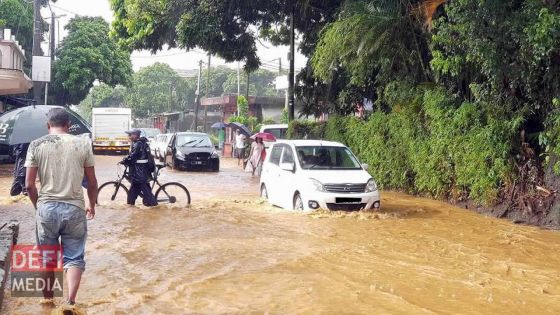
<point>240,141</point>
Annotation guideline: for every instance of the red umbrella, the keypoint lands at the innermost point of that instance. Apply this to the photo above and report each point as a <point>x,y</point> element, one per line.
<point>264,135</point>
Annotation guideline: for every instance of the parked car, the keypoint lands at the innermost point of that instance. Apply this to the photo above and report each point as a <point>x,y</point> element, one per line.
<point>312,174</point>
<point>150,134</point>
<point>160,144</point>
<point>192,150</point>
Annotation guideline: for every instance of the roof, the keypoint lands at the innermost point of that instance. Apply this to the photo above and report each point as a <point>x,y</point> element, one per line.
<point>187,73</point>
<point>274,126</point>
<point>312,143</point>
<point>192,133</point>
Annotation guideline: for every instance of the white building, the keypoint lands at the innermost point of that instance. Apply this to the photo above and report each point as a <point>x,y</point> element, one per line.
<point>12,78</point>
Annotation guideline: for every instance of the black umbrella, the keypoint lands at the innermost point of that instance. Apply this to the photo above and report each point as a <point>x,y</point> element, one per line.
<point>218,125</point>
<point>26,124</point>
<point>242,128</point>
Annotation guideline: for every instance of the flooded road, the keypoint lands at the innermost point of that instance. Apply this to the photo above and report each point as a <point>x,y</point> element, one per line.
<point>231,253</point>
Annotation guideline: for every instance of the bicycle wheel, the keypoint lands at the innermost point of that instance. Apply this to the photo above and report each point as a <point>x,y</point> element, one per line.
<point>173,193</point>
<point>111,194</point>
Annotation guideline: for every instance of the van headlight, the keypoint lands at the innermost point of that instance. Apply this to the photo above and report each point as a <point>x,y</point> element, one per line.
<point>317,184</point>
<point>214,155</point>
<point>371,185</point>
<point>180,155</point>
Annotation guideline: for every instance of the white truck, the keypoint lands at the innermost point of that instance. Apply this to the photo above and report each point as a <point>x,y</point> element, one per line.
<point>109,125</point>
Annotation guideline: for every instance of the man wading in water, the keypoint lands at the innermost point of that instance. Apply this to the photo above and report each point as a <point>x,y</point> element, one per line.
<point>140,166</point>
<point>61,160</point>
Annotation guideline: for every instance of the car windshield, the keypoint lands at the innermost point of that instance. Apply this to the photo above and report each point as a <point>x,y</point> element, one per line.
<point>150,133</point>
<point>326,157</point>
<point>194,141</point>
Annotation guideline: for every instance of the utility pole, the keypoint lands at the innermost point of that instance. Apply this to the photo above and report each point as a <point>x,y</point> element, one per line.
<point>36,51</point>
<point>238,81</point>
<point>279,66</point>
<point>291,74</point>
<point>197,103</point>
<point>207,90</point>
<point>247,90</point>
<point>52,39</point>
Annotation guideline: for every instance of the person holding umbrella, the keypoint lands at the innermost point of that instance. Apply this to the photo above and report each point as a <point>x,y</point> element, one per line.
<point>21,126</point>
<point>239,146</point>
<point>18,186</point>
<point>257,156</point>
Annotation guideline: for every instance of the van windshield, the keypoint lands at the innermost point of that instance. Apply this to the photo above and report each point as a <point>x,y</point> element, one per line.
<point>278,133</point>
<point>326,157</point>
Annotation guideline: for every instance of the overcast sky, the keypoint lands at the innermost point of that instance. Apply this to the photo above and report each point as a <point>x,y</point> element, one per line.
<point>176,58</point>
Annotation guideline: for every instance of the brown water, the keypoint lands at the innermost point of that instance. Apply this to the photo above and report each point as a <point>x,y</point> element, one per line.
<point>232,253</point>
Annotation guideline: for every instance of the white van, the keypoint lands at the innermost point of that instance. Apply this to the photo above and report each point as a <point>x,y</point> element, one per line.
<point>279,130</point>
<point>312,174</point>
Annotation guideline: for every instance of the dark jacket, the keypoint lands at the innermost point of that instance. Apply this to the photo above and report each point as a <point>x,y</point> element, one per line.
<point>19,152</point>
<point>137,161</point>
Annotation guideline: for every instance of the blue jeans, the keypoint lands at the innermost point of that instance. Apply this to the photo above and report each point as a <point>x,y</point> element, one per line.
<point>59,220</point>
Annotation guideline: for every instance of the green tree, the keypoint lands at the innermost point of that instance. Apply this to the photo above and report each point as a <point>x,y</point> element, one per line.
<point>262,83</point>
<point>158,88</point>
<point>371,44</point>
<point>88,54</point>
<point>218,76</point>
<point>223,28</point>
<point>102,95</point>
<point>243,116</point>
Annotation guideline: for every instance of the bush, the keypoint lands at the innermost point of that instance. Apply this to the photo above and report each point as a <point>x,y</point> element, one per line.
<point>430,145</point>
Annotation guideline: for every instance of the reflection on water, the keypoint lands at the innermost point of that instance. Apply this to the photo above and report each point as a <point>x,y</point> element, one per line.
<point>230,252</point>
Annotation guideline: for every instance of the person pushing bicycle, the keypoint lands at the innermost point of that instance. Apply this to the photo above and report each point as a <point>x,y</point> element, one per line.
<point>140,165</point>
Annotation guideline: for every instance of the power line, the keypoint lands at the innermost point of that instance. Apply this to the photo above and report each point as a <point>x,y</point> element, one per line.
<point>65,10</point>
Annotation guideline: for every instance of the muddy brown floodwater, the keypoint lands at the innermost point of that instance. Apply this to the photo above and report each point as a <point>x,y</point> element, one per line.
<point>231,253</point>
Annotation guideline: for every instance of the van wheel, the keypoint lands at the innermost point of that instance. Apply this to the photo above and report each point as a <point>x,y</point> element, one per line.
<point>264,192</point>
<point>298,202</point>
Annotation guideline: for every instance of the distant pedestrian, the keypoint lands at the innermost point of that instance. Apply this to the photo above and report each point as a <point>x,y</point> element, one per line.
<point>240,146</point>
<point>139,162</point>
<point>221,138</point>
<point>19,152</point>
<point>256,156</point>
<point>61,160</point>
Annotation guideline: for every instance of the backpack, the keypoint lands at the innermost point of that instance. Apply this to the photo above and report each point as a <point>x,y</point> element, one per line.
<point>151,161</point>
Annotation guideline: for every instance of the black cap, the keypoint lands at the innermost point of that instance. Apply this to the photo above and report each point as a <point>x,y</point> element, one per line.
<point>134,131</point>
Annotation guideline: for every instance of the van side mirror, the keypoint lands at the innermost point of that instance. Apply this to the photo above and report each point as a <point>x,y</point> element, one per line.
<point>365,166</point>
<point>290,167</point>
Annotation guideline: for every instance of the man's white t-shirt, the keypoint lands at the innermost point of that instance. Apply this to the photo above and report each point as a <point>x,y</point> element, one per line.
<point>240,141</point>
<point>60,160</point>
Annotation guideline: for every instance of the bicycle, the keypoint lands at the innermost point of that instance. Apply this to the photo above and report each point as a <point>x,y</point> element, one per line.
<point>170,193</point>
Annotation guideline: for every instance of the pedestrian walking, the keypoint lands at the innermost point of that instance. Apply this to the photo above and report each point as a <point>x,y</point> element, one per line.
<point>256,156</point>
<point>19,152</point>
<point>61,160</point>
<point>240,146</point>
<point>140,164</point>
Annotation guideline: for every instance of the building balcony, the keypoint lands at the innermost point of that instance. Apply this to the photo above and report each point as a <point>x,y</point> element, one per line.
<point>14,81</point>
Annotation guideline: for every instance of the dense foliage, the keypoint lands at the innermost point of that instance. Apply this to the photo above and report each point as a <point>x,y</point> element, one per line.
<point>228,28</point>
<point>243,116</point>
<point>465,93</point>
<point>157,89</point>
<point>87,54</point>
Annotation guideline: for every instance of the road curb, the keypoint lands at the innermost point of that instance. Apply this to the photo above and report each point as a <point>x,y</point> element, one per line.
<point>8,236</point>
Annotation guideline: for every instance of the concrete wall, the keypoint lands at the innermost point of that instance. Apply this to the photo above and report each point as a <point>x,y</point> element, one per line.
<point>8,236</point>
